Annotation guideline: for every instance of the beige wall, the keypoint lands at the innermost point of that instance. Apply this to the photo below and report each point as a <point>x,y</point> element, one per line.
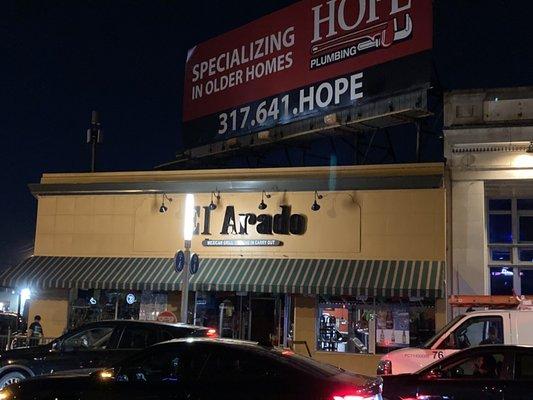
<point>52,306</point>
<point>380,224</point>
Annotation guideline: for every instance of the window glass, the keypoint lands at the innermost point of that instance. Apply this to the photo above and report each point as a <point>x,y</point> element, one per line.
<point>343,327</point>
<point>89,339</point>
<point>500,205</point>
<point>525,224</point>
<point>500,254</point>
<point>163,366</point>
<point>137,337</point>
<point>236,365</point>
<point>392,328</point>
<point>480,366</point>
<point>501,281</point>
<point>526,280</point>
<point>526,255</point>
<point>524,204</point>
<point>524,366</point>
<point>500,228</point>
<point>475,331</point>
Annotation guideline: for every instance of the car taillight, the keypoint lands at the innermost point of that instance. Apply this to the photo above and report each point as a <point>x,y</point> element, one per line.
<point>366,393</point>
<point>384,367</point>
<point>212,333</point>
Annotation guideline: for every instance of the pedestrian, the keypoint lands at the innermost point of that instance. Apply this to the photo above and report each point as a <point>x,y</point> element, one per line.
<point>35,331</point>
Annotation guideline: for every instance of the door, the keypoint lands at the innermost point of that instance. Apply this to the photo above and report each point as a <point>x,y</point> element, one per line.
<point>475,331</point>
<point>87,348</point>
<point>521,387</point>
<point>478,375</point>
<point>161,373</point>
<point>231,373</point>
<point>263,320</point>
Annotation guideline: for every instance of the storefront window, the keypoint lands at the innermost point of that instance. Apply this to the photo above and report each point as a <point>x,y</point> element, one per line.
<point>352,326</point>
<point>152,304</point>
<point>344,327</point>
<point>97,305</point>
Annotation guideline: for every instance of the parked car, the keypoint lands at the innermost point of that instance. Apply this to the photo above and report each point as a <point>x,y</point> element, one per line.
<point>202,369</point>
<point>95,345</point>
<point>11,323</point>
<point>493,372</point>
<point>475,328</point>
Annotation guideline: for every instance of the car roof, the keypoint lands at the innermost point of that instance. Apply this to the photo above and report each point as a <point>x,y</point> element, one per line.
<point>229,342</point>
<point>135,322</point>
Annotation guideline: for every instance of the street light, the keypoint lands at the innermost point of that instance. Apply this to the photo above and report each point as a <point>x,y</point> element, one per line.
<point>188,229</point>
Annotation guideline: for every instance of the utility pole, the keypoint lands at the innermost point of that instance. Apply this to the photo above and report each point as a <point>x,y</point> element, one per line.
<point>94,136</point>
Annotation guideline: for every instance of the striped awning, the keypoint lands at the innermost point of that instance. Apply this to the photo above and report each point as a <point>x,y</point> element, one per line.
<point>382,278</point>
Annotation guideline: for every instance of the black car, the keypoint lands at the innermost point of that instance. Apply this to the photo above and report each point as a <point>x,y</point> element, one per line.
<point>95,345</point>
<point>203,369</point>
<point>492,372</point>
<point>11,323</point>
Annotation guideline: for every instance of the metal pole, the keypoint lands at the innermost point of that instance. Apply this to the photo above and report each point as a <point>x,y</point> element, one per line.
<point>185,283</point>
<point>93,155</point>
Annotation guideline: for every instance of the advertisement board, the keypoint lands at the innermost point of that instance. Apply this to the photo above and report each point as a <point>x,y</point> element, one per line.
<point>307,59</point>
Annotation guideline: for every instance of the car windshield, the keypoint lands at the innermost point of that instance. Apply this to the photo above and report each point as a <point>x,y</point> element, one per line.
<point>429,344</point>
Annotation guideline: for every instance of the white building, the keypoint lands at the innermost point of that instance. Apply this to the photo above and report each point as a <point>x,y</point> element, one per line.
<point>488,138</point>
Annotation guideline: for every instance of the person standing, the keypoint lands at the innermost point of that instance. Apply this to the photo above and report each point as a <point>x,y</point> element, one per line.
<point>35,331</point>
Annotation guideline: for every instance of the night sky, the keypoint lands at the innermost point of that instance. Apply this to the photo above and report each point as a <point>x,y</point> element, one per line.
<point>60,60</point>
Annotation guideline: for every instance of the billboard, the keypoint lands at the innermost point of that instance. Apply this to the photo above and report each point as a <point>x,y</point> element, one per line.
<point>312,57</point>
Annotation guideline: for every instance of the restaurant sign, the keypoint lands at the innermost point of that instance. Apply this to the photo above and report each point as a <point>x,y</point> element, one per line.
<point>235,223</point>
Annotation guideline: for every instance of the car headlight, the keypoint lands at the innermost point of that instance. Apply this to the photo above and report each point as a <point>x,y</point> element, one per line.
<point>384,367</point>
<point>5,394</point>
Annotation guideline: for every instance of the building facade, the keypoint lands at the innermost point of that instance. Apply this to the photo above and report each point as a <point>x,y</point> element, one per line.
<point>489,151</point>
<point>343,263</point>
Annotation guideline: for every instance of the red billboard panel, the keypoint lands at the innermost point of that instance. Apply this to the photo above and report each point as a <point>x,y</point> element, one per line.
<point>305,59</point>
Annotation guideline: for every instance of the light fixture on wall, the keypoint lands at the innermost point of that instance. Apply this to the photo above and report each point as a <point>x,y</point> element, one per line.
<point>164,208</point>
<point>530,148</point>
<point>263,205</point>
<point>316,206</point>
<point>216,195</point>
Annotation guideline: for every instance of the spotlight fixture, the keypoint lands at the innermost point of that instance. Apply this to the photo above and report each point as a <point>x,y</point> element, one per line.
<point>316,206</point>
<point>262,205</point>
<point>216,195</point>
<point>164,208</point>
<point>530,148</point>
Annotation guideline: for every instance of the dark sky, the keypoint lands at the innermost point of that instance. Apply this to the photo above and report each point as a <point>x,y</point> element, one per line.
<point>60,60</point>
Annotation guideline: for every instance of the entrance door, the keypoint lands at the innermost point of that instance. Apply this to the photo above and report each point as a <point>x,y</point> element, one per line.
<point>263,320</point>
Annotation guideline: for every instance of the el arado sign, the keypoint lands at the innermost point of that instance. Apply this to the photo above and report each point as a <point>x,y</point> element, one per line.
<point>243,224</point>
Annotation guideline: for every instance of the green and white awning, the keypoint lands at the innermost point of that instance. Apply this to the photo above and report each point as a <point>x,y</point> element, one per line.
<point>381,278</point>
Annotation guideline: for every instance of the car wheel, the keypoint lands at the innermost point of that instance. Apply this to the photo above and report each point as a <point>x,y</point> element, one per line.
<point>11,377</point>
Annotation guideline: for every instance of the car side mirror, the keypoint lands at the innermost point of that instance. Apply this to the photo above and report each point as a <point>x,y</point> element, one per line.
<point>57,346</point>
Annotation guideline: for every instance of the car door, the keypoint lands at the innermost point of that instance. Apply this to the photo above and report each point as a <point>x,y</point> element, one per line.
<point>134,337</point>
<point>480,374</point>
<point>237,374</point>
<point>85,348</point>
<point>521,387</point>
<point>161,372</point>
